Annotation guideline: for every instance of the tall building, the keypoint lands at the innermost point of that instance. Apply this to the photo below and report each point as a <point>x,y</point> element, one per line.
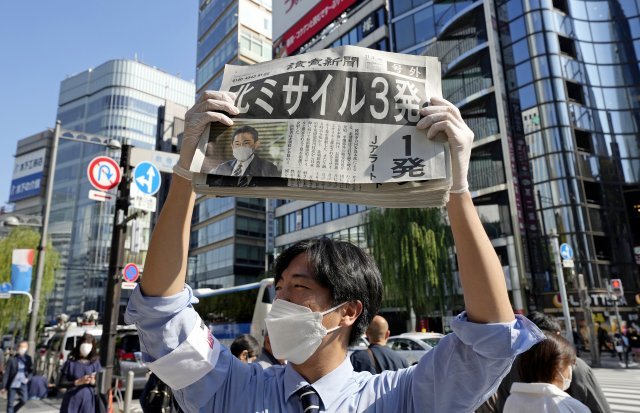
<point>120,99</point>
<point>228,234</point>
<point>550,89</point>
<point>361,23</point>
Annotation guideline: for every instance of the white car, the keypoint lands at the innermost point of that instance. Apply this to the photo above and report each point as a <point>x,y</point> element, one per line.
<point>412,346</point>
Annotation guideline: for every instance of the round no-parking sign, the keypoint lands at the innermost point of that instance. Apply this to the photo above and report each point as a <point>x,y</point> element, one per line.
<point>104,173</point>
<point>131,272</point>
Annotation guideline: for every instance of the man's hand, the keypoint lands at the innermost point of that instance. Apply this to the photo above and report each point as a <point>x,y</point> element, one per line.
<point>442,116</point>
<point>209,108</point>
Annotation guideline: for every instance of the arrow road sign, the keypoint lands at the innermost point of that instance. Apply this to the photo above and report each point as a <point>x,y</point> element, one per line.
<point>147,178</point>
<point>99,195</point>
<point>104,173</point>
<point>566,252</point>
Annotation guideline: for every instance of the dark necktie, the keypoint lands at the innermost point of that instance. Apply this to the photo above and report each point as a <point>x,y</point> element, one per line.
<point>238,170</point>
<point>309,399</point>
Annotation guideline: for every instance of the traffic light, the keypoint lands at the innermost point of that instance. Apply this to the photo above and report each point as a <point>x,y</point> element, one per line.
<point>616,287</point>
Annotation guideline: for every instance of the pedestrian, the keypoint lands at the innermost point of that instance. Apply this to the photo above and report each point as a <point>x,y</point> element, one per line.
<point>327,292</point>
<point>621,344</point>
<point>246,348</point>
<point>78,375</point>
<point>604,340</point>
<point>266,358</point>
<point>634,345</point>
<point>584,385</point>
<point>545,372</point>
<point>378,357</point>
<point>16,376</point>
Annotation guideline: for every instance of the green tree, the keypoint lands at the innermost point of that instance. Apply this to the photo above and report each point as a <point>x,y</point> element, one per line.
<point>411,248</point>
<point>15,309</point>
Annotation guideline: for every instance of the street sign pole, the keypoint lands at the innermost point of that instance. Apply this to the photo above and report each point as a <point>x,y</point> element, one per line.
<point>42,246</point>
<point>116,262</point>
<point>585,303</point>
<point>562,287</point>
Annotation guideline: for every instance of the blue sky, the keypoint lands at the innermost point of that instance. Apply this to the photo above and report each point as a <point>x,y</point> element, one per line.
<point>44,41</point>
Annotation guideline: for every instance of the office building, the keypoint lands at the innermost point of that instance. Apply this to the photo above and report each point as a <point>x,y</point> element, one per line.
<point>228,234</point>
<point>120,99</point>
<point>550,89</point>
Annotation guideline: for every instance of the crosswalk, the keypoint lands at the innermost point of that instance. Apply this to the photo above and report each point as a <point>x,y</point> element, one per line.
<point>621,387</point>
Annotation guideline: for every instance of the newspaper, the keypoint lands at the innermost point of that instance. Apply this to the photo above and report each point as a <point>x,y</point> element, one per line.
<point>332,125</point>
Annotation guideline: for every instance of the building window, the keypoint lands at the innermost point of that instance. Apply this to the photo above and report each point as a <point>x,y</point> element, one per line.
<point>574,92</point>
<point>567,46</point>
<point>561,5</point>
<point>583,140</point>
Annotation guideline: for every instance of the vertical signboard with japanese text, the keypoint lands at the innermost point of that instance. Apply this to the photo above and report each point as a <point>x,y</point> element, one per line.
<point>27,175</point>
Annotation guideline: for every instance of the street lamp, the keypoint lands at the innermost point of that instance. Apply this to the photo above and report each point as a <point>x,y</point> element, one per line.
<point>33,321</point>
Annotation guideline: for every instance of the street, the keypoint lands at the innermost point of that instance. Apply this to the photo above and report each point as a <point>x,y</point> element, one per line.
<point>621,387</point>
<point>52,405</point>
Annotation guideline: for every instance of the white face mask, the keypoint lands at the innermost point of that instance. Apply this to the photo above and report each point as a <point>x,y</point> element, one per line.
<point>295,331</point>
<point>242,153</point>
<point>22,351</point>
<point>85,349</point>
<point>566,382</point>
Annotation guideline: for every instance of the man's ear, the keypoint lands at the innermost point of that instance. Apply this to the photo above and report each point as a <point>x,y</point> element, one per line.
<point>387,334</point>
<point>244,356</point>
<point>352,311</point>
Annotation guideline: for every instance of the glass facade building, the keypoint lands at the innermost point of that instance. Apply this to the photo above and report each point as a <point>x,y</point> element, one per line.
<point>550,88</point>
<point>364,24</point>
<point>228,234</point>
<point>119,99</point>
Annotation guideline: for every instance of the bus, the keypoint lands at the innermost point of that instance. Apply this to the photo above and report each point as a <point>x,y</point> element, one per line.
<point>237,310</point>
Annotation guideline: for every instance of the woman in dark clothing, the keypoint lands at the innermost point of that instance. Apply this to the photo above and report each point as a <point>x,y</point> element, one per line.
<point>79,375</point>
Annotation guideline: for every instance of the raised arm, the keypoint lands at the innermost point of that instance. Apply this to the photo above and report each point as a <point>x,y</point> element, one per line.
<point>485,291</point>
<point>165,268</point>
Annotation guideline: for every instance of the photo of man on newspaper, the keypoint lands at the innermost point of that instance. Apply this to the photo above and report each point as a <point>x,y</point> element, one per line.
<point>246,162</point>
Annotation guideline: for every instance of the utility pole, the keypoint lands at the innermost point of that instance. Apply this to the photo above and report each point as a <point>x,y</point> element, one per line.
<point>42,246</point>
<point>562,287</point>
<point>116,264</point>
<point>585,303</point>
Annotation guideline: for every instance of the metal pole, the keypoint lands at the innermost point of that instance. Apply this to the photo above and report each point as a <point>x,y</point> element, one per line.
<point>266,236</point>
<point>116,263</point>
<point>562,287</point>
<point>585,302</point>
<point>42,246</point>
<point>128,392</point>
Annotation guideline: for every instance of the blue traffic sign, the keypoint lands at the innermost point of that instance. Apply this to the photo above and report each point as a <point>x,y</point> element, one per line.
<point>566,252</point>
<point>5,287</point>
<point>147,178</point>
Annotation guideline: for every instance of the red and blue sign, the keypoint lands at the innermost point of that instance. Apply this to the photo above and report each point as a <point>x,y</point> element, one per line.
<point>131,272</point>
<point>104,173</point>
<point>21,269</point>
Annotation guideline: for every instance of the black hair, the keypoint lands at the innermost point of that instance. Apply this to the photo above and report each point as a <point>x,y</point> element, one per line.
<point>93,354</point>
<point>541,363</point>
<point>347,271</point>
<point>245,342</point>
<point>544,322</point>
<point>246,129</point>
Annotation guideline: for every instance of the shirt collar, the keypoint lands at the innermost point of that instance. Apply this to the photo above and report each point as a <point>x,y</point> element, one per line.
<point>326,386</point>
<point>537,388</point>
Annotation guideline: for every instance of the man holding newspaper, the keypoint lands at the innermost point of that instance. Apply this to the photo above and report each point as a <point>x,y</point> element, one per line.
<point>327,293</point>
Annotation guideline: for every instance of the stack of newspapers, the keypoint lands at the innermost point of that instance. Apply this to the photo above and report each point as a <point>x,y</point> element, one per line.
<point>334,125</point>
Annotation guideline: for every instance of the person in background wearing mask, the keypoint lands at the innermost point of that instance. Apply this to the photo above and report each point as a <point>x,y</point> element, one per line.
<point>247,163</point>
<point>378,357</point>
<point>584,385</point>
<point>16,376</point>
<point>545,371</point>
<point>327,292</point>
<point>246,348</point>
<point>78,374</point>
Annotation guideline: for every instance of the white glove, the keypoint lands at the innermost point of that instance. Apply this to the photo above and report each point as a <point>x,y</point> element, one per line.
<point>442,116</point>
<point>208,109</point>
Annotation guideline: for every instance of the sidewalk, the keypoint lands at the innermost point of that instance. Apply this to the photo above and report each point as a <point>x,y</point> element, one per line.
<point>609,362</point>
<point>53,405</point>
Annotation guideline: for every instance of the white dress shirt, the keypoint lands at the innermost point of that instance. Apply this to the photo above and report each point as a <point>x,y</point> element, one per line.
<point>541,398</point>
